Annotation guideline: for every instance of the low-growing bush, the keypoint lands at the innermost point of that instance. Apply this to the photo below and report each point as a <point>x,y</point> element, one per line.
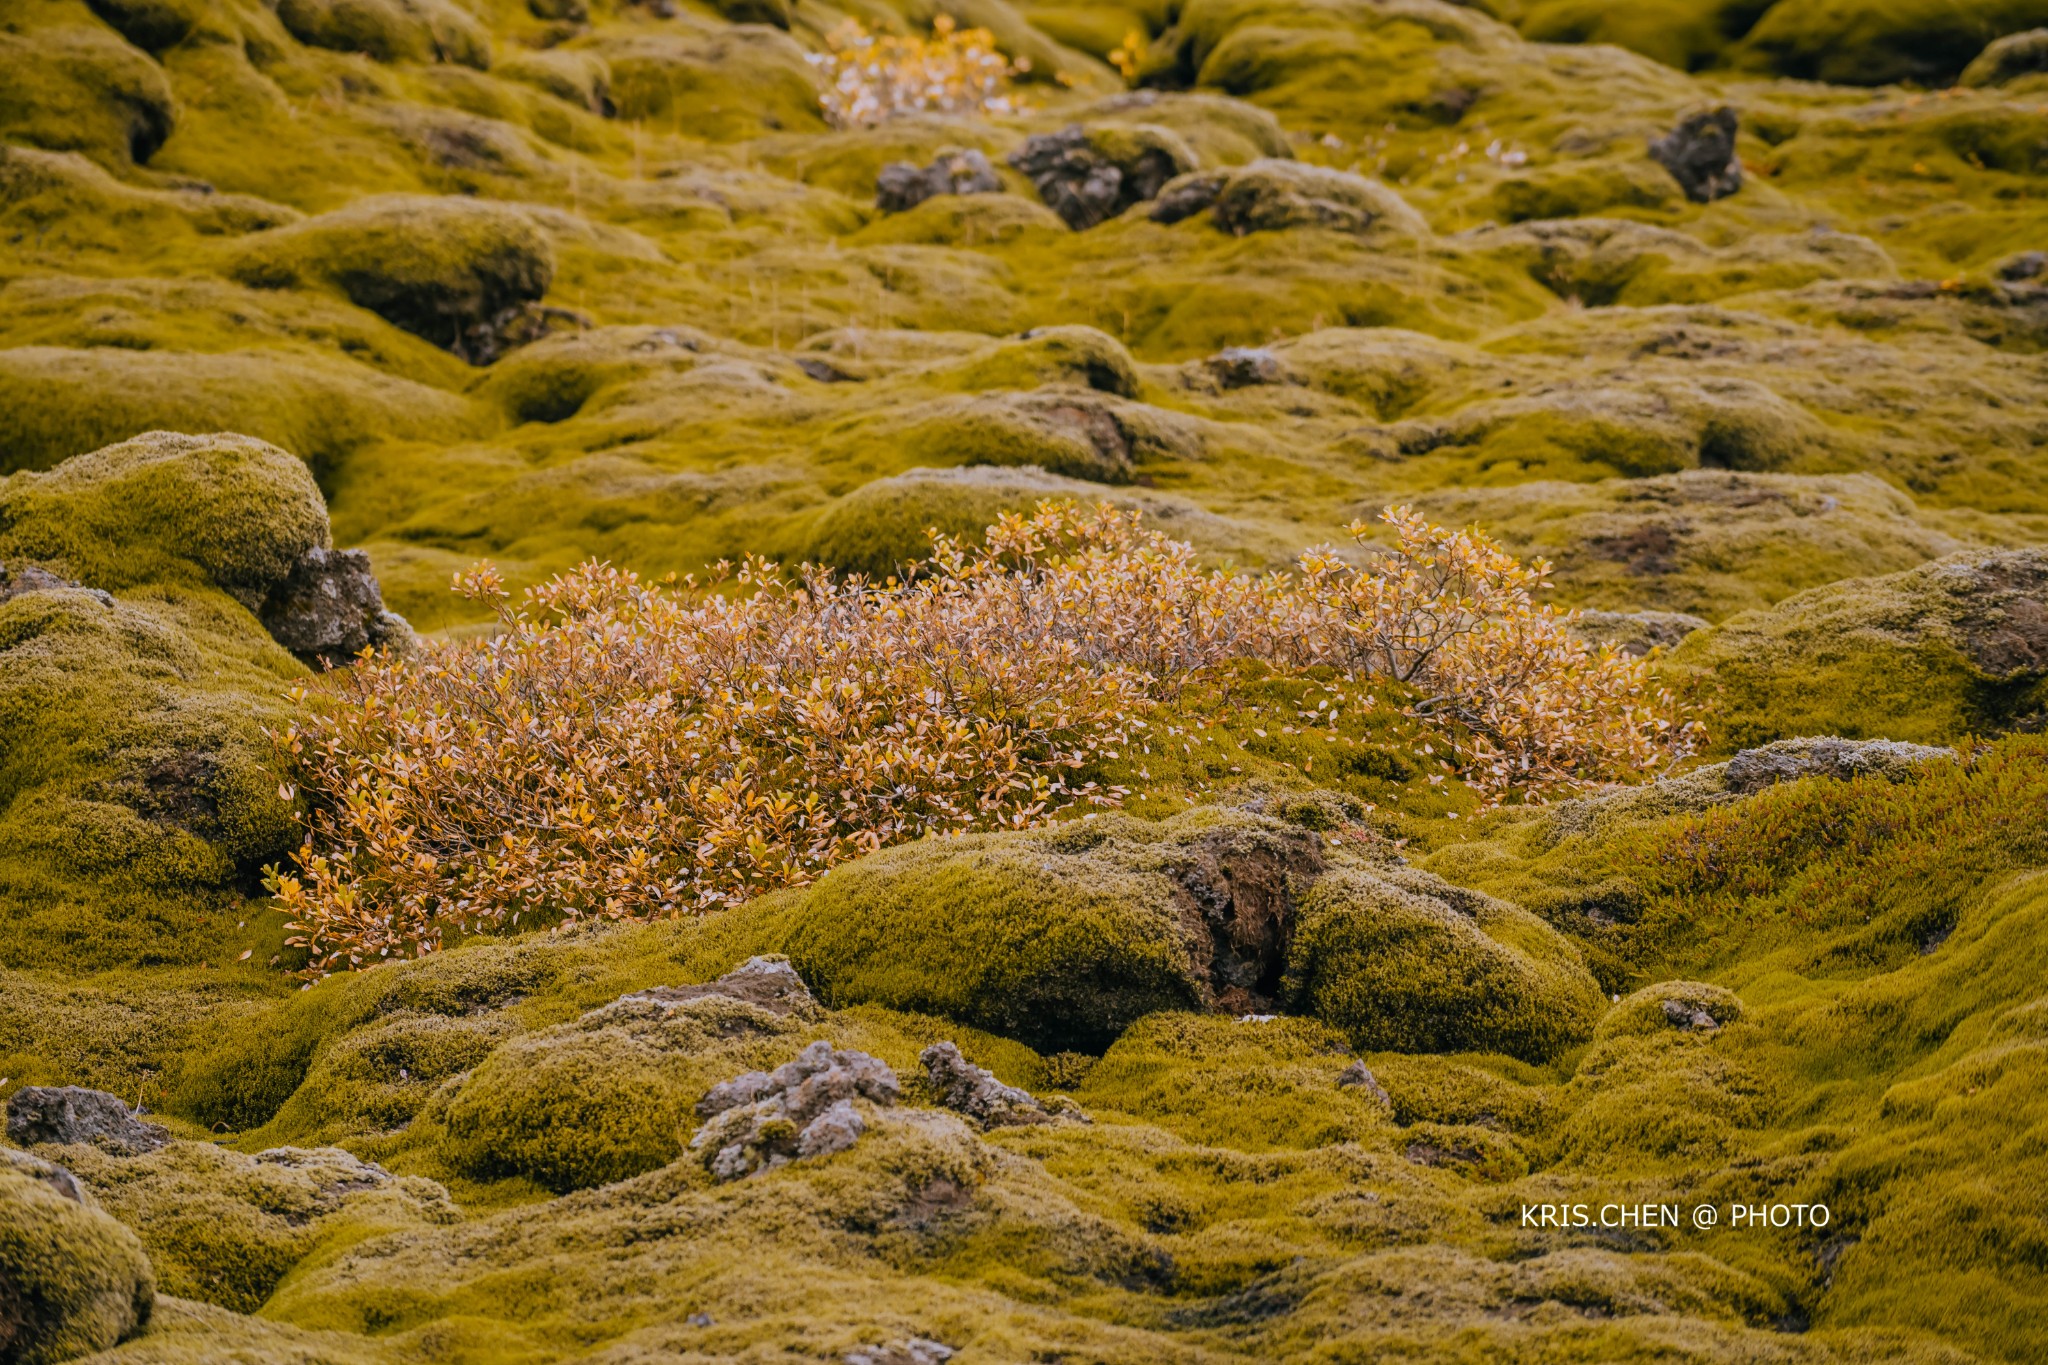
<point>872,77</point>
<point>633,750</point>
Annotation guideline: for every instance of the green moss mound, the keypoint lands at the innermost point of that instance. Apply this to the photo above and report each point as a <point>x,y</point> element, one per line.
<point>152,25</point>
<point>135,795</point>
<point>74,1280</point>
<point>1404,962</point>
<point>435,266</point>
<point>882,526</point>
<point>1952,648</point>
<point>1853,42</point>
<point>62,402</point>
<point>82,89</point>
<point>1082,356</point>
<point>237,510</point>
<point>2011,58</point>
<point>1060,944</point>
<point>223,1227</point>
<point>1710,542</point>
<point>713,81</point>
<point>567,1113</point>
<point>390,30</point>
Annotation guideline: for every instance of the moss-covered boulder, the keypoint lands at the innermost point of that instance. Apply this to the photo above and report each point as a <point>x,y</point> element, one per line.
<point>1070,432</point>
<point>1665,1082</point>
<point>1854,42</point>
<point>713,80</point>
<point>1955,647</point>
<point>152,25</point>
<point>57,402</point>
<point>1272,195</point>
<point>80,88</point>
<point>72,1280</point>
<point>883,525</point>
<point>2009,59</point>
<point>1218,130</point>
<point>1061,937</point>
<point>1403,961</point>
<point>390,30</point>
<point>136,794</point>
<point>226,511</point>
<point>223,1227</point>
<point>1083,356</point>
<point>1710,542</point>
<point>440,267</point>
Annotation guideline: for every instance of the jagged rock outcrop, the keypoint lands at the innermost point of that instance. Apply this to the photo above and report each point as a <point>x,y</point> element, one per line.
<point>803,1109</point>
<point>329,609</point>
<point>71,1114</point>
<point>1700,154</point>
<point>1088,175</point>
<point>904,185</point>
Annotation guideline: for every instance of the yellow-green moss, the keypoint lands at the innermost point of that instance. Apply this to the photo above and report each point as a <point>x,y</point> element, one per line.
<point>153,510</point>
<point>713,81</point>
<point>1859,43</point>
<point>1402,962</point>
<point>82,89</point>
<point>1923,656</point>
<point>1053,939</point>
<point>224,1228</point>
<point>389,30</point>
<point>76,1281</point>
<point>433,265</point>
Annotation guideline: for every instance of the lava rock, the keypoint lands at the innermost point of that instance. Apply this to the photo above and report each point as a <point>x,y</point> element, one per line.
<point>1241,367</point>
<point>1358,1076</point>
<point>1685,1014</point>
<point>1188,195</point>
<point>1700,154</point>
<point>48,1172</point>
<point>329,609</point>
<point>71,1114</point>
<point>904,185</point>
<point>1088,180</point>
<point>802,1110</point>
<point>915,1351</point>
<point>767,982</point>
<point>974,1091</point>
<point>1788,760</point>
<point>30,578</point>
<point>1272,195</point>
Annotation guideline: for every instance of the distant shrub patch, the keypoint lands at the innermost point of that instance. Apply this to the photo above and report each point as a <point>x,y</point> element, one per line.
<point>872,77</point>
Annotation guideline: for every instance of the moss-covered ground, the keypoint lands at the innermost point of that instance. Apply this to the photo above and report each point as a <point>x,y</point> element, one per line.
<point>542,280</point>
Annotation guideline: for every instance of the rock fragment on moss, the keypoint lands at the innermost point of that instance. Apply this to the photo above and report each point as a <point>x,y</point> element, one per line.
<point>974,1091</point>
<point>904,185</point>
<point>803,1110</point>
<point>1700,154</point>
<point>1090,175</point>
<point>72,1115</point>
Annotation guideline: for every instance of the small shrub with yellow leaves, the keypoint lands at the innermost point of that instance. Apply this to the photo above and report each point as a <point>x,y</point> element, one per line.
<point>632,750</point>
<point>871,77</point>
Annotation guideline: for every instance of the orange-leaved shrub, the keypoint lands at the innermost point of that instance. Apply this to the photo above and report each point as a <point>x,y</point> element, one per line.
<point>872,77</point>
<point>631,750</point>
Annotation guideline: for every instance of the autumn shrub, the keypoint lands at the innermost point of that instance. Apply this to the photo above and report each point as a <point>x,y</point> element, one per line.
<point>872,77</point>
<point>630,750</point>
